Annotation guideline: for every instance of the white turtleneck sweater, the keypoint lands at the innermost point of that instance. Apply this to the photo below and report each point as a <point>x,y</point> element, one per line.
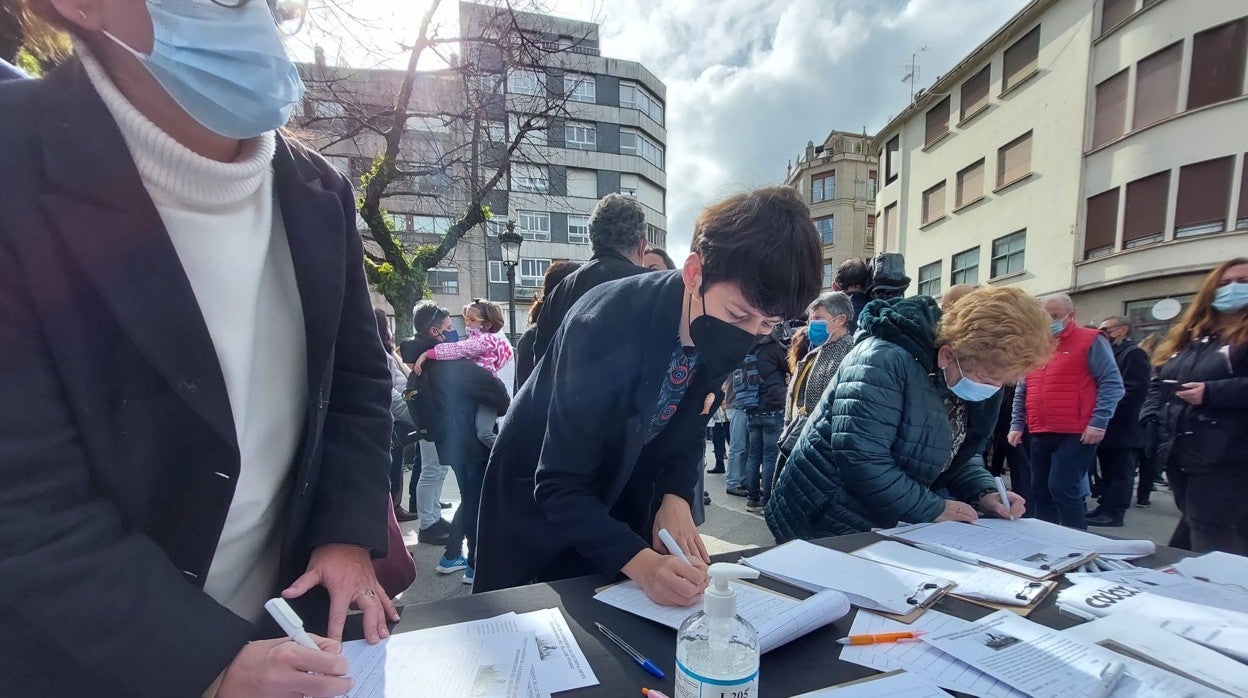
<point>226,226</point>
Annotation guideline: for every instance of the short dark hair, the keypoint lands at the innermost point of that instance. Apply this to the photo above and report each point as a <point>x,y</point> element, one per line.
<point>426,314</point>
<point>662,255</point>
<point>765,242</point>
<point>853,272</point>
<point>617,223</point>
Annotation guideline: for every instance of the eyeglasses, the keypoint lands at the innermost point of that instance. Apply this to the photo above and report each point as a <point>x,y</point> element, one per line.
<point>289,15</point>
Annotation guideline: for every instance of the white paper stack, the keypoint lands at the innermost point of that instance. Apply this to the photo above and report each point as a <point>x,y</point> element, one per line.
<point>973,581</point>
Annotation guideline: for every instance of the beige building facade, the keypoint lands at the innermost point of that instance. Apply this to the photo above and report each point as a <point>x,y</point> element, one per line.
<point>1095,148</point>
<point>838,180</point>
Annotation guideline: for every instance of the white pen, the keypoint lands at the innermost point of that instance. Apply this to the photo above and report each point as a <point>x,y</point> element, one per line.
<point>672,546</point>
<point>290,621</point>
<point>1111,676</point>
<point>949,553</point>
<point>1005,499</point>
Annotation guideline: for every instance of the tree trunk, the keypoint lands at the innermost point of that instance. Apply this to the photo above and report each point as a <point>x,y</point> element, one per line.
<point>402,300</point>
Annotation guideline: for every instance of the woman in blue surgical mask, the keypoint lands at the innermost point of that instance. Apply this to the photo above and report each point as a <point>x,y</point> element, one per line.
<point>195,417</point>
<point>1197,413</point>
<point>906,417</point>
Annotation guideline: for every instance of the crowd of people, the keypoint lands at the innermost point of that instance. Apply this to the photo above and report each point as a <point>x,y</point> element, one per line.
<point>203,411</point>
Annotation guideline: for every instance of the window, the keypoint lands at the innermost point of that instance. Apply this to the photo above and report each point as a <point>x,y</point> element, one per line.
<point>633,142</point>
<point>498,273</point>
<point>872,183</point>
<point>495,227</point>
<point>400,223</point>
<point>929,280</point>
<point>655,235</point>
<point>578,229</point>
<point>1021,59</point>
<point>1241,222</point>
<point>580,87</point>
<point>892,159</point>
<point>823,187</point>
<point>493,131</point>
<point>536,129</point>
<point>580,135</point>
<point>965,267</point>
<point>1144,220</point>
<point>526,177</point>
<point>937,122</point>
<point>1140,314</point>
<point>444,281</point>
<point>534,225</point>
<point>870,230</point>
<point>531,272</point>
<point>634,96</point>
<point>527,82</point>
<point>970,185</point>
<point>431,225</point>
<point>1113,12</point>
<point>342,163</point>
<point>582,183</point>
<point>1014,160</point>
<point>827,274</point>
<point>428,124</point>
<point>629,184</point>
<point>1204,197</point>
<point>1100,235</point>
<point>1109,121</point>
<point>890,227</point>
<point>975,93</point>
<point>1007,254</point>
<point>1217,72</point>
<point>934,203</point>
<point>1157,86</point>
<point>826,227</point>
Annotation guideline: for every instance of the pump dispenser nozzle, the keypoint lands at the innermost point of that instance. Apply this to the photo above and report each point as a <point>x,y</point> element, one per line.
<point>720,600</point>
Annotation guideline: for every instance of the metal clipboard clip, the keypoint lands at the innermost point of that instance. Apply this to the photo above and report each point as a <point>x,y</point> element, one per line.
<point>1029,591</point>
<point>919,598</point>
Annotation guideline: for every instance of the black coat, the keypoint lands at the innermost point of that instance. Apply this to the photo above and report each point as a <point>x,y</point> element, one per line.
<point>525,358</point>
<point>1124,429</point>
<point>604,266</point>
<point>1196,438</point>
<point>773,374</point>
<point>118,454</point>
<point>456,388</point>
<point>572,487</point>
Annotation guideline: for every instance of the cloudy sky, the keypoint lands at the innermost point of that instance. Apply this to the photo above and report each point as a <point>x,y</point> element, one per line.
<point>749,82</point>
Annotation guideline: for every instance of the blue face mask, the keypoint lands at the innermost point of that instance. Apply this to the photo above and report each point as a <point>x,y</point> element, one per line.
<point>1057,326</point>
<point>450,336</point>
<point>1231,297</point>
<point>225,67</point>
<point>817,331</point>
<point>970,390</point>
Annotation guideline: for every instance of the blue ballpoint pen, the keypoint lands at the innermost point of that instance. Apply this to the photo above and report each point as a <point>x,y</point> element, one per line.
<point>637,657</point>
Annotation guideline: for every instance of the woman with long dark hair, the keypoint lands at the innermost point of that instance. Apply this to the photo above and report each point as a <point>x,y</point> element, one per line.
<point>525,358</point>
<point>1197,412</point>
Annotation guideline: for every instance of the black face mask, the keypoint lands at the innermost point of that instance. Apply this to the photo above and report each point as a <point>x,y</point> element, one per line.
<point>721,346</point>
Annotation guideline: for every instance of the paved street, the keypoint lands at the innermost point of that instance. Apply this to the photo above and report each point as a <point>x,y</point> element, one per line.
<point>728,527</point>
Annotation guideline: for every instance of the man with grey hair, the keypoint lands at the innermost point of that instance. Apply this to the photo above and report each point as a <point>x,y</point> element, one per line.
<point>617,234</point>
<point>1119,452</point>
<point>1066,405</point>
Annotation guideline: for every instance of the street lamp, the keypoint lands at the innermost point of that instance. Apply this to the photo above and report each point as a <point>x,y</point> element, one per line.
<point>510,241</point>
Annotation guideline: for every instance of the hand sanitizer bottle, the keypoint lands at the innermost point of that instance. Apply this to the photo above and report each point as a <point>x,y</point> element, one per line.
<point>717,650</point>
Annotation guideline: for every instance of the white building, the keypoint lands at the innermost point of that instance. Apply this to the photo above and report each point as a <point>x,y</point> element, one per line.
<point>1096,148</point>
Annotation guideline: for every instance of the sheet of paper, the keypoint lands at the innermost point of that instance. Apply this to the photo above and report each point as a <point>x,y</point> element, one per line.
<point>1217,567</point>
<point>497,666</point>
<point>561,665</point>
<point>899,685</point>
<point>1098,599</point>
<point>1072,538</point>
<point>1230,641</point>
<point>1021,554</point>
<point>920,658</point>
<point>1045,663</point>
<point>972,581</point>
<point>866,583</point>
<point>1125,635</point>
<point>777,618</point>
<point>1172,586</point>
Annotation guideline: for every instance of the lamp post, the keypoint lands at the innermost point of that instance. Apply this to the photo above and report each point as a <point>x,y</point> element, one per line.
<point>509,240</point>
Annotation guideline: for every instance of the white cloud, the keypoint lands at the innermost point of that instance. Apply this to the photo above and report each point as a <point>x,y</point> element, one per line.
<point>749,82</point>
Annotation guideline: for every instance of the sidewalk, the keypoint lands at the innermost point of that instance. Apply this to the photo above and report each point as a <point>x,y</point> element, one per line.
<point>729,527</point>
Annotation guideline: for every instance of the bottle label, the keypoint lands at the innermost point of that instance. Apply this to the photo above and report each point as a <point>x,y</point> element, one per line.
<point>692,685</point>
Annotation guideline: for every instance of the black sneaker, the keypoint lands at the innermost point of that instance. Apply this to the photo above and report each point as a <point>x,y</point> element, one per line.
<point>754,505</point>
<point>1105,520</point>
<point>738,491</point>
<point>706,499</point>
<point>1143,505</point>
<point>719,469</point>
<point>444,505</point>
<point>437,534</point>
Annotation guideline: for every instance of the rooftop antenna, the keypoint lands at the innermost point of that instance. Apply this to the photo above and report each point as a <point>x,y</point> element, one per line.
<point>910,72</point>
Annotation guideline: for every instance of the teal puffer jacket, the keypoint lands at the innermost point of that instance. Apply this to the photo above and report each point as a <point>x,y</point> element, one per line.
<point>873,451</point>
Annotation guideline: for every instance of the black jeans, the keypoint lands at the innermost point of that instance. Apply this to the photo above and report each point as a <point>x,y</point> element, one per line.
<point>1215,510</point>
<point>1148,477</point>
<point>464,524</point>
<point>719,438</point>
<point>399,442</point>
<point>1117,475</point>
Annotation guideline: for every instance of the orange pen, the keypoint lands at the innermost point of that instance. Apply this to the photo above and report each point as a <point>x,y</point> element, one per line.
<point>880,637</point>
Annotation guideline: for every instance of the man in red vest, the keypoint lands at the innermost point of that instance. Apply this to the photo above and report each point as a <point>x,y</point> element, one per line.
<point>1066,406</point>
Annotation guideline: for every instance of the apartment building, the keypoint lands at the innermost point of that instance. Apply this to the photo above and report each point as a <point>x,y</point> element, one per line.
<point>838,180</point>
<point>1096,148</point>
<point>607,135</point>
